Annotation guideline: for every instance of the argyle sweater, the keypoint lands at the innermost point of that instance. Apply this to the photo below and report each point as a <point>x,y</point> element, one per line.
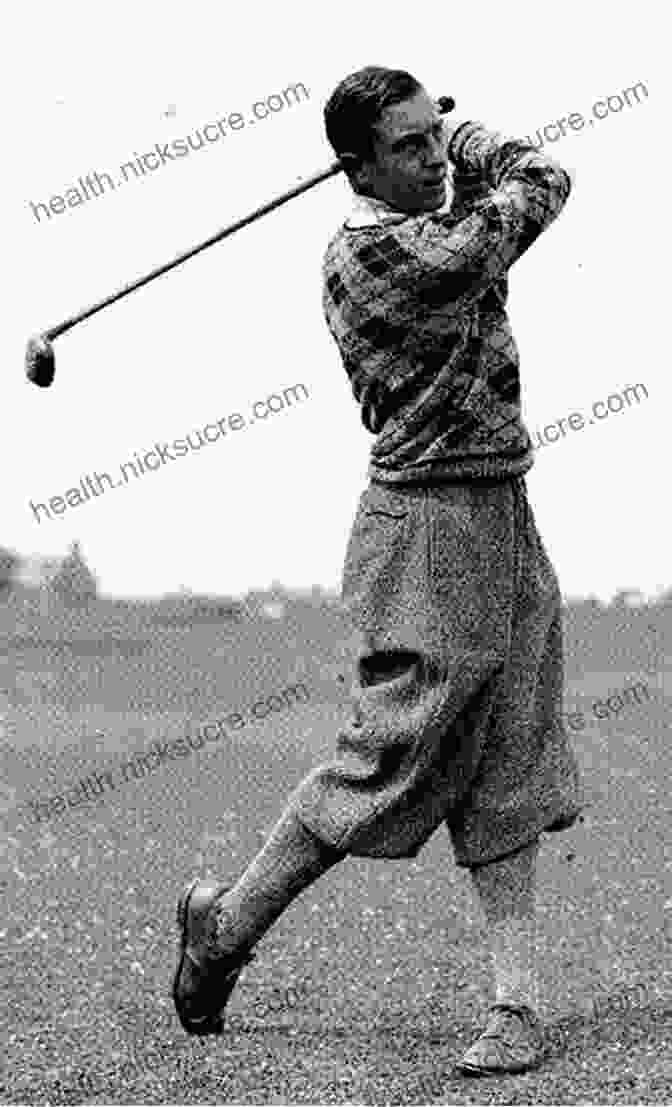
<point>416,305</point>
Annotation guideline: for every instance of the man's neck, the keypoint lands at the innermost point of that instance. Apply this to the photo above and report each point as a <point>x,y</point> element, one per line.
<point>370,210</point>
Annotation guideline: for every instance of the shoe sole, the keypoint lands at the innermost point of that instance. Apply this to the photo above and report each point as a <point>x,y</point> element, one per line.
<point>466,1070</point>
<point>515,1070</point>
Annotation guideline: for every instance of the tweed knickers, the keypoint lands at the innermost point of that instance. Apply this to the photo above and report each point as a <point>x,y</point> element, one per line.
<point>457,699</point>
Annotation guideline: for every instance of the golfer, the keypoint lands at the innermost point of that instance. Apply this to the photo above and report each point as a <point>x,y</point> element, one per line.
<point>457,700</point>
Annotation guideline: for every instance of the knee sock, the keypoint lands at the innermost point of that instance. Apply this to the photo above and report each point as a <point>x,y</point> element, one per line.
<point>289,862</point>
<point>506,891</point>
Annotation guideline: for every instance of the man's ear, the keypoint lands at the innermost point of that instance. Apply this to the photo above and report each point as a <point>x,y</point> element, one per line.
<point>355,169</point>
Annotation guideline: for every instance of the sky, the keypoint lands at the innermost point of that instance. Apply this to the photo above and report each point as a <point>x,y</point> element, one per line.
<point>86,88</point>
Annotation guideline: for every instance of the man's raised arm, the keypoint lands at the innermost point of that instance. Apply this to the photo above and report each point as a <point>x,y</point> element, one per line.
<point>458,263</point>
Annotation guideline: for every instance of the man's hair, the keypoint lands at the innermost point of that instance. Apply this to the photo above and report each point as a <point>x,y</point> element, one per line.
<point>356,104</point>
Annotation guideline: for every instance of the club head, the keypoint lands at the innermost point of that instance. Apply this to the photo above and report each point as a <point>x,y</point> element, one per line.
<point>40,361</point>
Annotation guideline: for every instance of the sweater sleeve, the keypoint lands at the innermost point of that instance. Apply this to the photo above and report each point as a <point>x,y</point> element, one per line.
<point>454,264</point>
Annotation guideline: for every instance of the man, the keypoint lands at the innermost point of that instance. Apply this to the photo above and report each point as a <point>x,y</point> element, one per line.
<point>457,702</point>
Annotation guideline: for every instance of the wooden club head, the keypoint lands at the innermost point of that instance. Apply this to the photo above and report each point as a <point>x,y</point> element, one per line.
<point>40,361</point>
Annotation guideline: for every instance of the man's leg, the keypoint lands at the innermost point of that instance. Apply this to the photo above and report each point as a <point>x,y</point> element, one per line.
<point>222,927</point>
<point>513,1038</point>
<point>506,891</point>
<point>287,864</point>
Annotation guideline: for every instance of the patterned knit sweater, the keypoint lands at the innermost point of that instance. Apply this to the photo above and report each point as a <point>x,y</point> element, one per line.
<point>416,305</point>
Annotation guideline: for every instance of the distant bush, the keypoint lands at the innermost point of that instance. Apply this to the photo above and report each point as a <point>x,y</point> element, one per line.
<point>182,610</point>
<point>9,563</point>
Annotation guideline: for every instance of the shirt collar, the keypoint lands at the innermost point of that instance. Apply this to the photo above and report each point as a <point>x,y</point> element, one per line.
<point>367,211</point>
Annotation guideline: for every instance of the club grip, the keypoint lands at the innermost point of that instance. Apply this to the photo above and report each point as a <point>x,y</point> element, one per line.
<point>446,104</point>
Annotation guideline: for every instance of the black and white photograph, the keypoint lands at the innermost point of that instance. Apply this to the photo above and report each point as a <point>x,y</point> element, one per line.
<point>335,577</point>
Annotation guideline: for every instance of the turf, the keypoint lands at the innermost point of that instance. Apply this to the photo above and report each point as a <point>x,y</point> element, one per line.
<point>388,959</point>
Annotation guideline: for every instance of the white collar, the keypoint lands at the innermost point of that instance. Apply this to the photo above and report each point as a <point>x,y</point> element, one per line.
<point>369,210</point>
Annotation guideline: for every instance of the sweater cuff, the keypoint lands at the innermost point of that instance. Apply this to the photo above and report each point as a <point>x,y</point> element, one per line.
<point>459,137</point>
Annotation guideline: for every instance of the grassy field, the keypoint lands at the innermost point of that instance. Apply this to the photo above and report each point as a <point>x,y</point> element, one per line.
<point>388,958</point>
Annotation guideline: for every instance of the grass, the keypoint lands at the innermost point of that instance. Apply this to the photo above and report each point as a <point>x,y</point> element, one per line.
<point>388,959</point>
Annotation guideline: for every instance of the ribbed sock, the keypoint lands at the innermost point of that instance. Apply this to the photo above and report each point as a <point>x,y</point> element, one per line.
<point>513,957</point>
<point>287,864</point>
<point>506,892</point>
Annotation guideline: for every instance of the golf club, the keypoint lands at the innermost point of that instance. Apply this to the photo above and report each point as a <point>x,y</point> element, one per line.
<point>40,361</point>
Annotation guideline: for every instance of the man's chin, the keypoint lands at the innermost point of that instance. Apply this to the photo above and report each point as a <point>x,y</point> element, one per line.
<point>436,198</point>
<point>430,199</point>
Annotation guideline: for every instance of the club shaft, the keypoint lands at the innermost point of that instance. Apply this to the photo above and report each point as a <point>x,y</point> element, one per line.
<point>323,175</point>
<point>446,104</point>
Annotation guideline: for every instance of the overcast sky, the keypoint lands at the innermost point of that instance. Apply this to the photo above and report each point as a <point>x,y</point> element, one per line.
<point>86,88</point>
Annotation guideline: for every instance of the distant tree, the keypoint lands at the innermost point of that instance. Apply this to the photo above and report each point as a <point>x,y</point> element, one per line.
<point>620,600</point>
<point>9,563</point>
<point>74,582</point>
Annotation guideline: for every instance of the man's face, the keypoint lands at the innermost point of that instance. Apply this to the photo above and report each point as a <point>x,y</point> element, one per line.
<point>410,165</point>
